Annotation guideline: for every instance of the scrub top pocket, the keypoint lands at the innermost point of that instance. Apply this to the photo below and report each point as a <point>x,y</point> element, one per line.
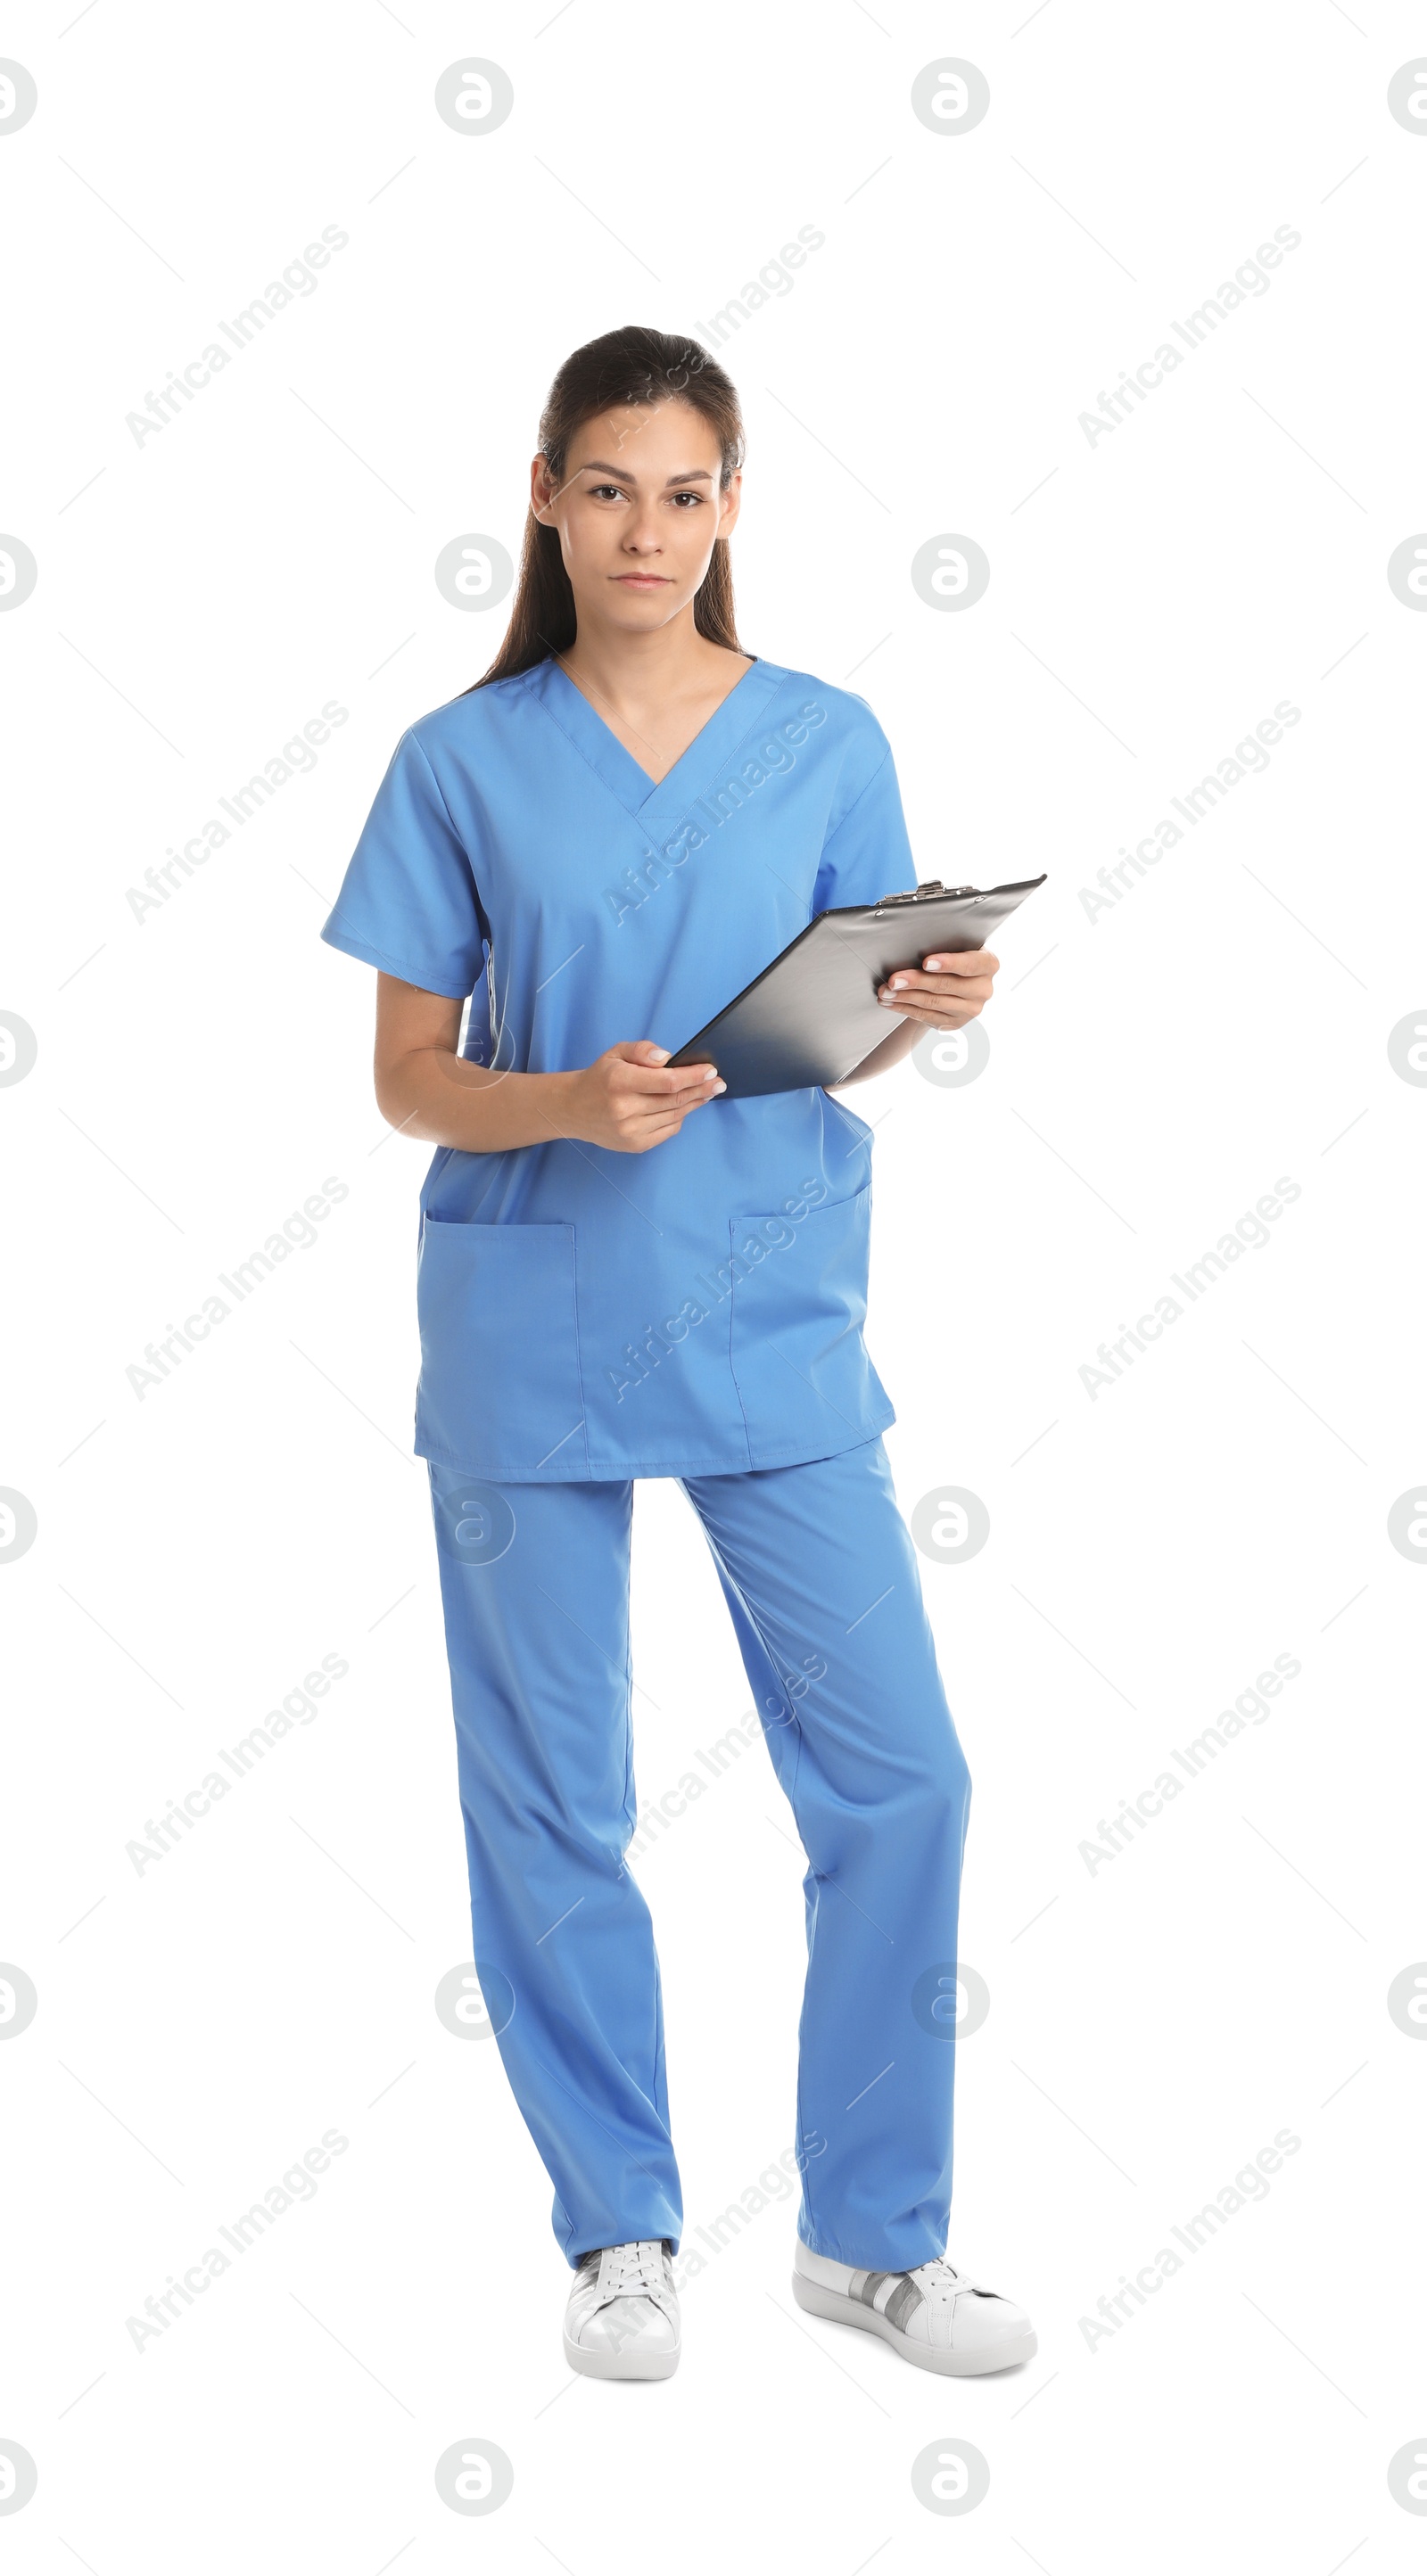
<point>500,1365</point>
<point>799,1301</point>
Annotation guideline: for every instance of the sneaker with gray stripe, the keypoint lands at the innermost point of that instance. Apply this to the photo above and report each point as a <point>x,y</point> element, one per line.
<point>936,2317</point>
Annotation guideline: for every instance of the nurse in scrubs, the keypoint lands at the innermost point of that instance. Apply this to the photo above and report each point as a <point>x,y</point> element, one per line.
<point>622,1273</point>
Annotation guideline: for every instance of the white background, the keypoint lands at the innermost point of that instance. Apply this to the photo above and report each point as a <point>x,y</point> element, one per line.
<point>1153,1071</point>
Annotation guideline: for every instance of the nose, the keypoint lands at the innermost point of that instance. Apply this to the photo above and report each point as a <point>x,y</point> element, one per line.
<point>641,537</point>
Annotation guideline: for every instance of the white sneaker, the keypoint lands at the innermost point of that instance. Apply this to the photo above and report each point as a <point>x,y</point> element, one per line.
<point>622,2321</point>
<point>934,2316</point>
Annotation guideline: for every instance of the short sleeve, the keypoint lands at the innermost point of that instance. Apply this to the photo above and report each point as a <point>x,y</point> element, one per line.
<point>408,902</point>
<point>867,854</point>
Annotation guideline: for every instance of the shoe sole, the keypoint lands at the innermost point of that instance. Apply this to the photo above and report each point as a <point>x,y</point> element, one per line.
<point>842,2311</point>
<point>594,2364</point>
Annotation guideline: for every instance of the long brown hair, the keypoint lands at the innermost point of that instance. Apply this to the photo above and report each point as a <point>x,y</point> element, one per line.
<point>631,366</point>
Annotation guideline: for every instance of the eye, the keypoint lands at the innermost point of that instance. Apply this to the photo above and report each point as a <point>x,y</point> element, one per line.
<point>598,491</point>
<point>696,497</point>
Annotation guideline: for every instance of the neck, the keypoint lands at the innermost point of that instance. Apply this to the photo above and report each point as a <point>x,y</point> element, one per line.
<point>621,669</point>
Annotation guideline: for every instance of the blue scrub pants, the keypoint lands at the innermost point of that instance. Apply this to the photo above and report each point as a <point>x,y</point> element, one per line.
<point>822,1584</point>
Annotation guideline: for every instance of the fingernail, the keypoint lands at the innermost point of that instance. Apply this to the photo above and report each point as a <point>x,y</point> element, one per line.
<point>897,982</point>
<point>720,1086</point>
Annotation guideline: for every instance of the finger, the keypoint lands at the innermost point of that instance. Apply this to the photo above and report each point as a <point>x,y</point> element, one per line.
<point>691,1101</point>
<point>693,1077</point>
<point>692,1093</point>
<point>638,1051</point>
<point>928,1012</point>
<point>971,964</point>
<point>905,987</point>
<point>938,990</point>
<point>660,1084</point>
<point>679,1103</point>
<point>642,1056</point>
<point>656,1133</point>
<point>659,1113</point>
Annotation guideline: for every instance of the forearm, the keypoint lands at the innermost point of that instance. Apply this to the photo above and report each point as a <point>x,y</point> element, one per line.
<point>441,1099</point>
<point>898,1043</point>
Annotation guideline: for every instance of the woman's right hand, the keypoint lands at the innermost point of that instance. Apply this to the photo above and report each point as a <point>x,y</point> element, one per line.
<point>628,1101</point>
<point>428,1092</point>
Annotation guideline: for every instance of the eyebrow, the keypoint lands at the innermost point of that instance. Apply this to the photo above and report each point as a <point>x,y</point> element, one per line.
<point>596,465</point>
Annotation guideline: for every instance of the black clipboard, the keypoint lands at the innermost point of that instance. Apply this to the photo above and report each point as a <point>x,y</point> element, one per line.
<point>813,1015</point>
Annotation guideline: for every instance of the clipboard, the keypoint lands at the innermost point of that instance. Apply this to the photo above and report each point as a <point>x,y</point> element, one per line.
<point>812,1016</point>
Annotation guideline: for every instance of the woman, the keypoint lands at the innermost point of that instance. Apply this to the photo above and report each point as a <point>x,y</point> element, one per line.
<point>599,844</point>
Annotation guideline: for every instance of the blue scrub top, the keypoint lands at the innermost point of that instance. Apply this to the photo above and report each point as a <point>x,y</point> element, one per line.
<point>696,1309</point>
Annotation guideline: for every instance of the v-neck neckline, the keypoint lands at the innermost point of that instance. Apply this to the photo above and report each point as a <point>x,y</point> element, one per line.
<point>566,703</point>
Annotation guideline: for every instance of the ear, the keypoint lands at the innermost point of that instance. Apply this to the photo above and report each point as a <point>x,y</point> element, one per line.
<point>541,489</point>
<point>730,502</point>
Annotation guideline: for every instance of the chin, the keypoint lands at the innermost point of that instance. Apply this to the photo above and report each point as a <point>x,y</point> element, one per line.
<point>642,608</point>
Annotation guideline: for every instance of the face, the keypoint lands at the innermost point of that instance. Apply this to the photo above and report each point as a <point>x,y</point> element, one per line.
<point>638,512</point>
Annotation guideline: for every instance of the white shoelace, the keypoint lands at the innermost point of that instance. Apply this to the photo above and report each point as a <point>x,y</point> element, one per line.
<point>635,2269</point>
<point>940,2281</point>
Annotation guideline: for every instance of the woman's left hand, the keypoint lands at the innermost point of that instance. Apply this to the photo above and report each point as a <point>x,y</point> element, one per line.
<point>944,992</point>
